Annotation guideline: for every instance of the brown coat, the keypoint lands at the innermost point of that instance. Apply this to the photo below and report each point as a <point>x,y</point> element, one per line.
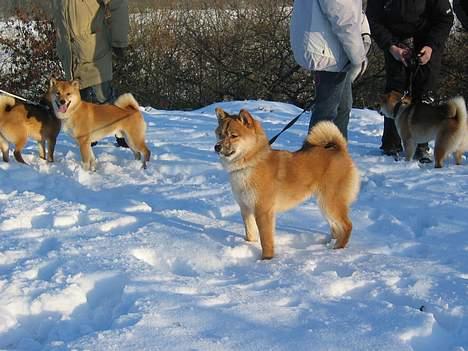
<point>85,37</point>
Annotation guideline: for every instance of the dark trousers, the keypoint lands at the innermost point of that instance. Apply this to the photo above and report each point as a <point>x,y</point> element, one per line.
<point>333,99</point>
<point>422,80</point>
<point>99,94</point>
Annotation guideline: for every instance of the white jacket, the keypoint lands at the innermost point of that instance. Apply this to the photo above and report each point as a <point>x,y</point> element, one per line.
<point>326,35</point>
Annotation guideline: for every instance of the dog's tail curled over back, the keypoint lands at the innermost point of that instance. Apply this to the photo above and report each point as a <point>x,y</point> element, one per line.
<point>327,135</point>
<point>126,101</point>
<point>6,102</point>
<point>457,107</point>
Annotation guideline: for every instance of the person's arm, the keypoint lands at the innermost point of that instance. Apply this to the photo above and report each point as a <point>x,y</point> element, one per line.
<point>345,19</point>
<point>440,21</point>
<point>380,33</point>
<point>119,23</point>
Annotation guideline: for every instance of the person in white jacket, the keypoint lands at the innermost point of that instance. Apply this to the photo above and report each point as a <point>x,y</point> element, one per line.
<point>331,38</point>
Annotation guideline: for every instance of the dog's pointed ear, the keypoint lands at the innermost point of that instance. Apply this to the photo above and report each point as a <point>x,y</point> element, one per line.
<point>220,114</point>
<point>52,82</point>
<point>246,118</point>
<point>76,84</point>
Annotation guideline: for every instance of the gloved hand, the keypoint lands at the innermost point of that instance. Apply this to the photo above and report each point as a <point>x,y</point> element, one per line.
<point>119,52</point>
<point>356,71</point>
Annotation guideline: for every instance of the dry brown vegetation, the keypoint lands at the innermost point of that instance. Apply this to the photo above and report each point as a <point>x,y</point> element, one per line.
<point>186,57</point>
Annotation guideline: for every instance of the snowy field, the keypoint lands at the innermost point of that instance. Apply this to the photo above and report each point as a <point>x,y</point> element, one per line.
<point>125,259</point>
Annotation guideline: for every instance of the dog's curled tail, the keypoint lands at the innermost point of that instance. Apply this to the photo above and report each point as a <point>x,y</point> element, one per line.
<point>458,109</point>
<point>6,101</point>
<point>328,135</point>
<point>126,101</point>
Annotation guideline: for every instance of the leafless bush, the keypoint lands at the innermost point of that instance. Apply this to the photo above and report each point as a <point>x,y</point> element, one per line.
<point>186,57</point>
<point>27,48</point>
<point>191,57</point>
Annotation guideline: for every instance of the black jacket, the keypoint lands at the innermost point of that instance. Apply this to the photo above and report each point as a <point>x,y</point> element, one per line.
<point>428,21</point>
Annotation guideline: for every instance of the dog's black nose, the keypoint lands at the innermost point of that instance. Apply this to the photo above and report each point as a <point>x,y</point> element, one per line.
<point>62,102</point>
<point>217,148</point>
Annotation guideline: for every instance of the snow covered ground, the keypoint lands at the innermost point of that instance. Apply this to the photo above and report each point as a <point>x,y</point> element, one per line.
<point>125,259</point>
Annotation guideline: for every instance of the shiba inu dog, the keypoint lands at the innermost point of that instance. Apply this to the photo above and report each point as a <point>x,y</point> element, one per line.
<point>87,122</point>
<point>20,121</point>
<point>417,122</point>
<point>266,181</point>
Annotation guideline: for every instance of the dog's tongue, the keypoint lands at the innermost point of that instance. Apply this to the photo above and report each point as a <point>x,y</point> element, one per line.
<point>63,108</point>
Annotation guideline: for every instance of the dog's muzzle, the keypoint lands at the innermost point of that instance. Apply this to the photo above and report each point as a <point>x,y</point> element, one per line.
<point>62,105</point>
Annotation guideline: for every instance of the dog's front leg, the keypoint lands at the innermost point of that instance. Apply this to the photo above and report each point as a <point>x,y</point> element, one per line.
<point>266,227</point>
<point>251,229</point>
<point>4,148</point>
<point>86,155</point>
<point>410,149</point>
<point>18,148</point>
<point>458,157</point>
<point>41,146</point>
<point>51,149</point>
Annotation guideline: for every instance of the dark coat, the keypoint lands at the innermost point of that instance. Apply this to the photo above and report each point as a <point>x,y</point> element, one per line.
<point>392,21</point>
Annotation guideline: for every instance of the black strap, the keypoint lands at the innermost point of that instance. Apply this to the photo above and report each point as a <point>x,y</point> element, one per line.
<point>397,107</point>
<point>412,77</point>
<point>291,123</point>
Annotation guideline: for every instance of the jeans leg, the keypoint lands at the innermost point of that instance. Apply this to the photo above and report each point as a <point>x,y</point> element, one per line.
<point>98,94</point>
<point>345,106</point>
<point>104,93</point>
<point>328,94</point>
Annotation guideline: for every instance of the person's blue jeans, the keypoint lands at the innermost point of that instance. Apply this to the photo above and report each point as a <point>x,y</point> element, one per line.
<point>333,99</point>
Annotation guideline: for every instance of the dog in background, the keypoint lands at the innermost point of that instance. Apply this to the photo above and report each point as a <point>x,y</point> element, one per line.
<point>20,121</point>
<point>417,123</point>
<point>87,122</point>
<point>266,181</point>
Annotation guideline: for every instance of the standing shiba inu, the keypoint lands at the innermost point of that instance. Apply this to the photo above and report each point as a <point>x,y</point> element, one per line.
<point>20,121</point>
<point>87,122</point>
<point>266,181</point>
<point>420,123</point>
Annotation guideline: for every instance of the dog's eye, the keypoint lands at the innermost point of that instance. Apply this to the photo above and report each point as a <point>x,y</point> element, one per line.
<point>68,94</point>
<point>233,136</point>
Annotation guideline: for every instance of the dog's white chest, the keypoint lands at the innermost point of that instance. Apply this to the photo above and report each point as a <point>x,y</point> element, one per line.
<point>67,126</point>
<point>242,188</point>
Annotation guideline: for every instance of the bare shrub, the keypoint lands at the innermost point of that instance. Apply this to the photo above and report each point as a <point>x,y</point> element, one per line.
<point>186,56</point>
<point>192,57</point>
<point>27,45</point>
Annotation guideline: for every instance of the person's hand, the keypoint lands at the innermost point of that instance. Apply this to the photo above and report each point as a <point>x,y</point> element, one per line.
<point>356,71</point>
<point>425,55</point>
<point>401,53</point>
<point>119,52</point>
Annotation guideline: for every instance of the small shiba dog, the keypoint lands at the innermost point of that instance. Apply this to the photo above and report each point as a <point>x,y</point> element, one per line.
<point>20,121</point>
<point>417,122</point>
<point>266,181</point>
<point>87,122</point>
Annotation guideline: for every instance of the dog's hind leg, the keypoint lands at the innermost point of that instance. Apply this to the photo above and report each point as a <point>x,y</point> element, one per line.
<point>20,144</point>
<point>439,155</point>
<point>341,228</point>
<point>143,151</point>
<point>4,148</point>
<point>336,211</point>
